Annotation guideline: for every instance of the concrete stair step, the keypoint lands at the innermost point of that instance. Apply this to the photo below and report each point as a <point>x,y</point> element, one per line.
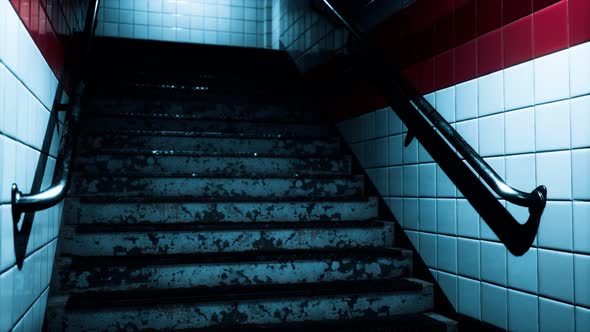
<point>428,321</point>
<point>119,273</point>
<point>222,187</point>
<point>94,210</point>
<point>157,107</point>
<point>173,239</point>
<point>206,144</point>
<point>99,122</point>
<point>176,165</point>
<point>233,306</point>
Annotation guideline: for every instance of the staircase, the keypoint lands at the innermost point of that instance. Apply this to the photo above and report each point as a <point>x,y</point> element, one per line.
<point>219,202</point>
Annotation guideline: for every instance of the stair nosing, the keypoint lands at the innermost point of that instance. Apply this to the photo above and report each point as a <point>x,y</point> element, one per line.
<point>113,198</point>
<point>143,298</point>
<point>245,257</point>
<point>114,228</point>
<point>209,134</point>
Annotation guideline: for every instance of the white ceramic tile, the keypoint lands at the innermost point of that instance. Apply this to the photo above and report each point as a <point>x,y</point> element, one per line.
<point>552,126</point>
<point>368,126</point>
<point>395,123</point>
<point>468,258</point>
<point>447,253</point>
<point>431,98</point>
<point>555,316</point>
<point>397,208</point>
<point>6,300</point>
<point>520,172</point>
<point>410,180</point>
<point>522,271</point>
<point>448,283</point>
<point>523,312</point>
<point>554,171</point>
<point>414,238</point>
<point>427,180</point>
<point>582,318</point>
<point>358,149</point>
<point>395,150</point>
<point>376,152</point>
<point>581,174</point>
<point>8,167</point>
<point>423,155</point>
<point>427,214</point>
<point>411,213</point>
<point>410,152</point>
<point>490,92</point>
<point>445,103</point>
<point>552,77</point>
<point>469,297</point>
<point>580,69</point>
<point>395,181</point>
<point>519,86</point>
<point>446,216</point>
<point>491,135</point>
<point>581,275</point>
<point>556,275</point>
<point>468,130</point>
<point>444,186</point>
<point>494,305</point>
<point>581,227</point>
<point>381,129</point>
<point>428,249</point>
<point>381,181</point>
<point>555,229</point>
<point>467,219</point>
<point>580,114</point>
<point>520,131</point>
<point>493,262</point>
<point>466,100</point>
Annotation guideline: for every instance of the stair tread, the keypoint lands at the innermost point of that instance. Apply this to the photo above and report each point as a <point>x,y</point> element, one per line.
<point>192,153</point>
<point>233,293</point>
<point>203,227</point>
<point>210,134</point>
<point>110,198</point>
<point>85,262</point>
<point>397,323</point>
<point>204,117</point>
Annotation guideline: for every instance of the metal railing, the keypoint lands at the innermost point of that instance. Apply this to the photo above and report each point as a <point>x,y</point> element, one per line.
<point>398,90</point>
<point>60,185</point>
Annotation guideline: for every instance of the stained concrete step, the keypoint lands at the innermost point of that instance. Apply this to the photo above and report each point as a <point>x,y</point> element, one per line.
<point>221,188</point>
<point>233,306</point>
<point>428,321</point>
<point>173,239</point>
<point>98,123</point>
<point>119,273</point>
<point>174,165</point>
<point>110,211</point>
<point>206,144</point>
<point>157,107</point>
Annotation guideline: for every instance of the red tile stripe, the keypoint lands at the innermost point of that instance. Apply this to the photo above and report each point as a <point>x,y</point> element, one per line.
<point>487,36</point>
<point>454,44</point>
<point>50,22</point>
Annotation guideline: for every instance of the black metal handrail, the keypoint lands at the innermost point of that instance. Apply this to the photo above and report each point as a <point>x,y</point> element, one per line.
<point>395,84</point>
<point>63,168</point>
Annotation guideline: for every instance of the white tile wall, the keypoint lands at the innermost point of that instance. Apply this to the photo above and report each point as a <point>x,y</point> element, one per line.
<point>27,90</point>
<point>245,23</point>
<point>532,123</point>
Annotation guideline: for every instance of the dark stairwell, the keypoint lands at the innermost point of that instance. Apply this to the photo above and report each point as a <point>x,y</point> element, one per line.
<point>209,193</point>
